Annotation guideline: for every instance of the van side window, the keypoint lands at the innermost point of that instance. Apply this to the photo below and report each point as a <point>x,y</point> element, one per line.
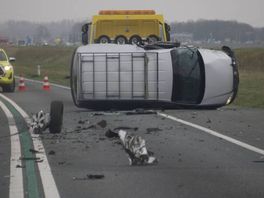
<point>2,56</point>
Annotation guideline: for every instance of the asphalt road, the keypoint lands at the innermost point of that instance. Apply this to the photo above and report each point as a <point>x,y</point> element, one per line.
<point>192,163</point>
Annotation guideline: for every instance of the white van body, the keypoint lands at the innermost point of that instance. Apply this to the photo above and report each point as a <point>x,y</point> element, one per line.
<point>111,72</point>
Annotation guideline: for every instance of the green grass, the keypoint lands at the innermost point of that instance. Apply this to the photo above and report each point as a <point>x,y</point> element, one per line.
<point>251,89</point>
<point>55,62</point>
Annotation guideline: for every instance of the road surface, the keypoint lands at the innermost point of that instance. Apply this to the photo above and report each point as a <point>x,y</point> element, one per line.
<point>192,162</point>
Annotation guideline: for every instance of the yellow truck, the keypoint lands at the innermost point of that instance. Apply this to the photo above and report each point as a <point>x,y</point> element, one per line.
<point>126,26</point>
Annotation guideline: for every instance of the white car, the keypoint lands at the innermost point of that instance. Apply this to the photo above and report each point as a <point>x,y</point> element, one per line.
<point>112,76</point>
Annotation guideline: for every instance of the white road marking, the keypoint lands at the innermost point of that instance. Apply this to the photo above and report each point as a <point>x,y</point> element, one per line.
<point>40,82</point>
<point>214,133</point>
<point>16,175</point>
<point>48,182</point>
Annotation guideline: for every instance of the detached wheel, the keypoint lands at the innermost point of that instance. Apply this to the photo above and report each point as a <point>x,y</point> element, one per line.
<point>11,87</point>
<point>135,39</point>
<point>121,40</point>
<point>56,116</point>
<point>103,39</point>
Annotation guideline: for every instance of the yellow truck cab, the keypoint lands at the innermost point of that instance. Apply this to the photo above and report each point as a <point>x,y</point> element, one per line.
<point>126,26</point>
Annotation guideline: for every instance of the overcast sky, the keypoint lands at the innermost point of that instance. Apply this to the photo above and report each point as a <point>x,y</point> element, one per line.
<point>248,11</point>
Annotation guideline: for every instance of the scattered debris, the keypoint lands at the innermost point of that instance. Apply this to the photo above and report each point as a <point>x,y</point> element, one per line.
<point>52,152</point>
<point>151,130</point>
<point>20,166</point>
<point>83,121</point>
<point>208,121</point>
<point>111,134</point>
<point>258,161</point>
<point>39,122</point>
<point>135,146</point>
<point>29,158</point>
<point>91,127</point>
<point>102,123</point>
<point>126,128</point>
<point>105,113</point>
<point>95,176</point>
<point>61,163</point>
<point>141,112</point>
<point>34,151</point>
<point>89,177</point>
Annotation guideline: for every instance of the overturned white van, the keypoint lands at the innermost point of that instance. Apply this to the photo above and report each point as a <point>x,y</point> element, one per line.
<point>111,76</point>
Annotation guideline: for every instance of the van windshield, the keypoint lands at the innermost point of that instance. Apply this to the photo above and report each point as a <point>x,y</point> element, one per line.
<point>188,76</point>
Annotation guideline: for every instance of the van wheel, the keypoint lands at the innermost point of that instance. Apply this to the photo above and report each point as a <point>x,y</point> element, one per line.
<point>104,39</point>
<point>121,40</point>
<point>56,116</point>
<point>153,39</point>
<point>135,39</point>
<point>11,87</point>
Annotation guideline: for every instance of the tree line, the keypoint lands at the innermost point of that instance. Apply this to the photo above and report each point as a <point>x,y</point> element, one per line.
<point>219,30</point>
<point>70,31</point>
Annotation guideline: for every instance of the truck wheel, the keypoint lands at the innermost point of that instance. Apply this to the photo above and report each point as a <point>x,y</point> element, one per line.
<point>120,40</point>
<point>152,39</point>
<point>11,87</point>
<point>103,39</point>
<point>56,116</point>
<point>135,39</point>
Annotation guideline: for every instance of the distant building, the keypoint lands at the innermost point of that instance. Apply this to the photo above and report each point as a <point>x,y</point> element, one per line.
<point>182,37</point>
<point>3,40</point>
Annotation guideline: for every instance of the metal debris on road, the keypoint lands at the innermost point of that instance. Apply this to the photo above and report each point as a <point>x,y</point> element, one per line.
<point>105,113</point>
<point>34,151</point>
<point>126,128</point>
<point>102,123</point>
<point>153,130</point>
<point>39,122</point>
<point>89,177</point>
<point>20,166</point>
<point>29,158</point>
<point>52,152</point>
<point>135,146</point>
<point>111,134</point>
<point>141,112</point>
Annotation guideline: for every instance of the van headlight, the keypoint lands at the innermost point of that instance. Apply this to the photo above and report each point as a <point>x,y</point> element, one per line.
<point>8,67</point>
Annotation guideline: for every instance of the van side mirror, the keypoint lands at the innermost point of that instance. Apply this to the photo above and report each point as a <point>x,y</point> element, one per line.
<point>167,31</point>
<point>84,38</point>
<point>85,30</point>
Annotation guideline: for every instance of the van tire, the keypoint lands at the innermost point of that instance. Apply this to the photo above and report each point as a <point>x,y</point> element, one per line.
<point>121,40</point>
<point>56,116</point>
<point>135,39</point>
<point>103,39</point>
